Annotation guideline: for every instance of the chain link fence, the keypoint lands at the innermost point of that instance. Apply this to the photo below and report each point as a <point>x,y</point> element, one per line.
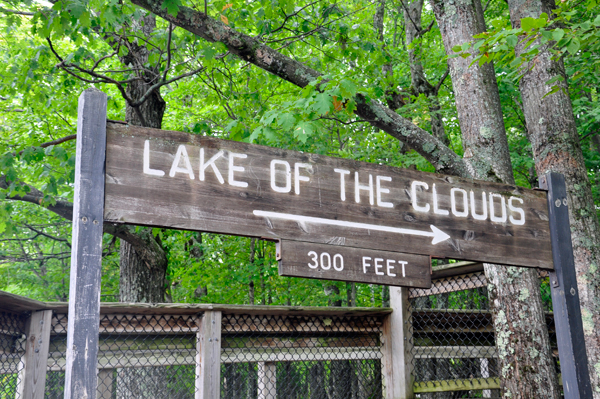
<point>12,349</point>
<point>284,353</point>
<point>296,357</point>
<point>453,339</point>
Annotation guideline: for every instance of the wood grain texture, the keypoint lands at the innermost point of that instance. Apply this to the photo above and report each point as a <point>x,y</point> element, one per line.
<point>33,375</point>
<point>208,368</point>
<point>135,197</point>
<point>353,264</point>
<point>397,362</point>
<point>86,251</point>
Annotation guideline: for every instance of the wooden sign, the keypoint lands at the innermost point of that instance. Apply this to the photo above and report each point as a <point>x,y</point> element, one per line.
<point>333,262</point>
<point>184,181</point>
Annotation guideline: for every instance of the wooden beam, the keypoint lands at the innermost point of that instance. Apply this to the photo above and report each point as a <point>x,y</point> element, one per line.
<point>208,365</point>
<point>455,269</point>
<point>86,250</point>
<point>397,348</point>
<point>33,375</point>
<point>267,380</point>
<point>455,352</point>
<point>474,384</point>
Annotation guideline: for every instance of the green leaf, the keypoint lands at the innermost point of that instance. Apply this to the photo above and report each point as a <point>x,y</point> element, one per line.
<point>304,130</point>
<point>172,6</point>
<point>457,49</point>
<point>573,46</point>
<point>323,103</point>
<point>527,23</point>
<point>558,34</point>
<point>597,20</point>
<point>348,88</point>
<point>286,120</point>
<point>512,40</point>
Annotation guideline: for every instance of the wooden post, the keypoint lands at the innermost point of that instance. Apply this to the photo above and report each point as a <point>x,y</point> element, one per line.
<point>86,252</point>
<point>565,295</point>
<point>208,362</point>
<point>397,348</point>
<point>267,380</point>
<point>33,375</point>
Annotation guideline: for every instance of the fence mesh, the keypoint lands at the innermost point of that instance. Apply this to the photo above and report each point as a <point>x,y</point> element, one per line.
<point>154,356</point>
<point>297,357</point>
<point>12,349</point>
<point>287,355</point>
<point>453,340</point>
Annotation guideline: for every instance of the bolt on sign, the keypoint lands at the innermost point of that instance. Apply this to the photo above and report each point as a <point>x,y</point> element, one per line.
<point>179,180</point>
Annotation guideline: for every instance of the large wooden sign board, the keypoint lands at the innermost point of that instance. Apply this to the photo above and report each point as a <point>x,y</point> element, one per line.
<point>336,218</point>
<point>178,180</point>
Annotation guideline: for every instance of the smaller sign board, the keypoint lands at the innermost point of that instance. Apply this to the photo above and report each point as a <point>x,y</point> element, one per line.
<point>333,262</point>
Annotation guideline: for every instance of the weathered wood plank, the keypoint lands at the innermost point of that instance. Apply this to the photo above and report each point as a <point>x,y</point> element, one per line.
<point>208,368</point>
<point>457,385</point>
<point>86,251</point>
<point>195,308</point>
<point>33,375</point>
<point>456,269</point>
<point>334,262</point>
<point>250,190</point>
<point>397,348</point>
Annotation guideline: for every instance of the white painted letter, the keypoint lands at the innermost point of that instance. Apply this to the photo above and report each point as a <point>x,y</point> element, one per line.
<point>147,170</point>
<point>413,194</point>
<point>403,267</point>
<point>287,174</point>
<point>182,153</point>
<point>483,216</point>
<point>358,187</point>
<point>378,266</point>
<point>513,208</point>
<point>493,217</point>
<point>380,190</point>
<point>297,177</point>
<point>343,174</point>
<point>365,264</point>
<point>211,163</point>
<point>233,168</point>
<point>465,211</point>
<point>389,267</point>
<point>435,204</point>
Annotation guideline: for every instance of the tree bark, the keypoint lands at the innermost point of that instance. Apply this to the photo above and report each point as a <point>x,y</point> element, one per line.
<point>144,266</point>
<point>552,131</point>
<point>420,85</point>
<point>525,361</point>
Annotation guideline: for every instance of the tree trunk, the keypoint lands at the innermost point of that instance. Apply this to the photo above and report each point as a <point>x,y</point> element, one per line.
<point>143,266</point>
<point>525,362</point>
<point>555,142</point>
<point>420,85</point>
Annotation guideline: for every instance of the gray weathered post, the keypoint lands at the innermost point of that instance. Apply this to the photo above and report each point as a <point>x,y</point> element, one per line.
<point>397,362</point>
<point>86,252</point>
<point>33,376</point>
<point>565,295</point>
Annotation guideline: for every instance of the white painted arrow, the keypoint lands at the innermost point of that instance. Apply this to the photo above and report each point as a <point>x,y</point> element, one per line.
<point>437,234</point>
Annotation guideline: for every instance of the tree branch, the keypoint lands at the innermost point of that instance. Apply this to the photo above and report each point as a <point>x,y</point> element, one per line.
<point>252,50</point>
